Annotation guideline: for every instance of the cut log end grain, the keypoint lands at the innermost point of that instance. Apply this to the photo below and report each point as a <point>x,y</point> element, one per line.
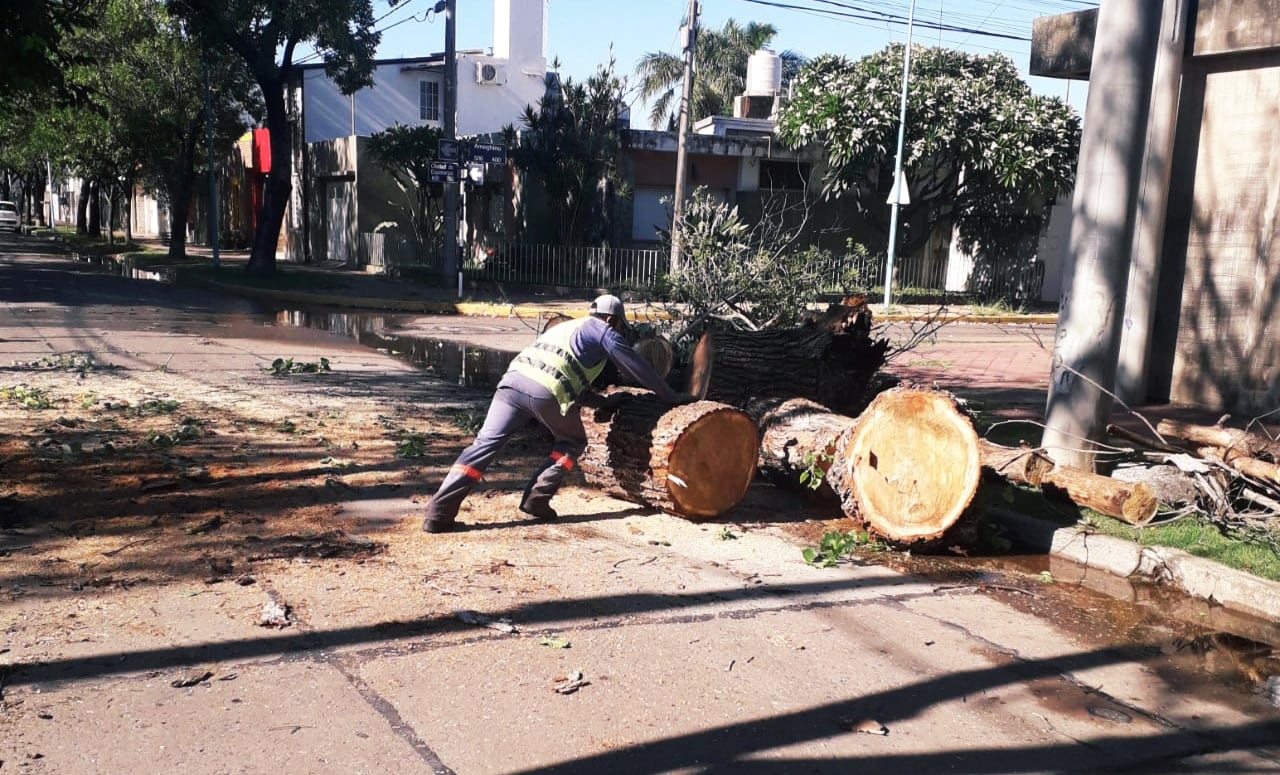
<point>912,464</point>
<point>711,463</point>
<point>657,350</point>
<point>695,461</point>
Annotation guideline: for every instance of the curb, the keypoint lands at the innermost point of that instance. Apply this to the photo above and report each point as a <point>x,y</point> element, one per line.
<point>1197,577</point>
<point>468,308</point>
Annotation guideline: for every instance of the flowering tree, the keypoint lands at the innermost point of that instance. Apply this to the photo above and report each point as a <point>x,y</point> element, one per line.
<point>982,152</point>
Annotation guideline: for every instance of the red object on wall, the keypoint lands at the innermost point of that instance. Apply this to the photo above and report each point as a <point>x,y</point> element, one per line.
<point>262,151</point>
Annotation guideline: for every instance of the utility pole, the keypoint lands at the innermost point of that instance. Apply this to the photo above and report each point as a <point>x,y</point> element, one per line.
<point>452,271</point>
<point>213,180</point>
<point>690,38</point>
<point>899,191</point>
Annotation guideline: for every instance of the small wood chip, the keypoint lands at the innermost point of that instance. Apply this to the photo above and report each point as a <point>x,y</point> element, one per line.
<point>195,679</point>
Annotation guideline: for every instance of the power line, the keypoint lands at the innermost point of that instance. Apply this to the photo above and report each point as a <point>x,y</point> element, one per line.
<point>880,16</point>
<point>314,55</point>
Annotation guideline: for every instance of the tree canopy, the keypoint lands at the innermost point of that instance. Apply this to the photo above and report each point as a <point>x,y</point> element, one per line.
<point>981,150</point>
<point>406,153</point>
<point>265,34</point>
<point>721,57</point>
<point>573,147</point>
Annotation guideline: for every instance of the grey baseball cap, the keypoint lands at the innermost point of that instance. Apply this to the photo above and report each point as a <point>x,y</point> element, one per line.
<point>609,304</point>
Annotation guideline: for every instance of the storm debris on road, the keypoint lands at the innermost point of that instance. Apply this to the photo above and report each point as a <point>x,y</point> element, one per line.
<point>275,612</point>
<point>480,620</point>
<point>195,679</point>
<point>570,684</point>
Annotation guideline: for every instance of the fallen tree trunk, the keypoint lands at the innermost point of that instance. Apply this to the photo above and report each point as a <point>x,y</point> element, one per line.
<point>1241,442</point>
<point>1022,465</point>
<point>693,461</point>
<point>1131,502</point>
<point>909,467</point>
<point>834,369</point>
<point>797,444</point>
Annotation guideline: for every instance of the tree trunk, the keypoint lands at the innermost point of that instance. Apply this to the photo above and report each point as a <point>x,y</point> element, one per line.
<point>909,467</point>
<point>693,461</point>
<point>1022,465</point>
<point>113,197</point>
<point>82,208</point>
<point>797,442</point>
<point>1130,502</point>
<point>95,209</point>
<point>276,188</point>
<point>181,191</point>
<point>833,369</point>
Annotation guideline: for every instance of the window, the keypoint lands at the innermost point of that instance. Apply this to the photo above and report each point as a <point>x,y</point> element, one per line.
<point>783,175</point>
<point>429,100</point>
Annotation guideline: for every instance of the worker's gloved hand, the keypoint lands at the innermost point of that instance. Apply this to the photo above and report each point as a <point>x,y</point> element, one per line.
<point>686,398</point>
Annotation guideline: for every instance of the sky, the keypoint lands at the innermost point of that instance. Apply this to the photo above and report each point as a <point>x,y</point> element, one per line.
<point>581,33</point>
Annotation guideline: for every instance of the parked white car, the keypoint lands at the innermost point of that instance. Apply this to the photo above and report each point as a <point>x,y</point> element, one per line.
<point>9,216</point>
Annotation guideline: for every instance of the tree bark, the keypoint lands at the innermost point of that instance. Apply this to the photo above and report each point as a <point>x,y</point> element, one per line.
<point>909,467</point>
<point>1238,441</point>
<point>798,441</point>
<point>82,208</point>
<point>182,188</point>
<point>1022,465</point>
<point>1249,466</point>
<point>277,186</point>
<point>95,209</point>
<point>694,461</point>
<point>833,369</point>
<point>1130,502</point>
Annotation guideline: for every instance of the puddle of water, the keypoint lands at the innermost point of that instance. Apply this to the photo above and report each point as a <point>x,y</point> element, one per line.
<point>454,362</point>
<point>1214,645</point>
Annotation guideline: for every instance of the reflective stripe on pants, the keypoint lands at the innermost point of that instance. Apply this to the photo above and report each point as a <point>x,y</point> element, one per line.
<point>510,411</point>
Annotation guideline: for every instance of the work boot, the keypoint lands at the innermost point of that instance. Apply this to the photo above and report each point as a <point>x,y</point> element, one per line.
<point>539,510</point>
<point>430,525</point>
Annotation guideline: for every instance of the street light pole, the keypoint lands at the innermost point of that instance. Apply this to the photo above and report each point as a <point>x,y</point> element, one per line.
<point>686,97</point>
<point>899,191</point>
<point>452,270</point>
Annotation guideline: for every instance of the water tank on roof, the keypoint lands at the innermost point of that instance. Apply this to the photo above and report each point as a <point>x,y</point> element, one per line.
<point>764,74</point>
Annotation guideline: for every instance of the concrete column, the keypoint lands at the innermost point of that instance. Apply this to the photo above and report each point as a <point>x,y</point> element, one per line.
<point>1108,181</point>
<point>1153,205</point>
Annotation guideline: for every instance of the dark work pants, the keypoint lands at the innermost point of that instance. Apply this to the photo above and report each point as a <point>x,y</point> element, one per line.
<point>509,411</point>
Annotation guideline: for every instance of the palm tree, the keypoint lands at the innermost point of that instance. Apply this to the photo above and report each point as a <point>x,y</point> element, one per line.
<point>721,60</point>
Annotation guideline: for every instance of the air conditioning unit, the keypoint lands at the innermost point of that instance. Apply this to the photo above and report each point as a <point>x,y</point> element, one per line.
<point>489,73</point>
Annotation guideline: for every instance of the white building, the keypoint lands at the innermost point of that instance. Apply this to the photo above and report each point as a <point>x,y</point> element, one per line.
<point>325,221</point>
<point>494,85</point>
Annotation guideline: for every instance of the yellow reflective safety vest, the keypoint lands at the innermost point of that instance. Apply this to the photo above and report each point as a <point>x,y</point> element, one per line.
<point>551,363</point>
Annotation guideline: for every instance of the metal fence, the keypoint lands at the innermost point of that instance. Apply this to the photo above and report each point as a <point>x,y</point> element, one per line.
<point>638,270</point>
<point>573,267</point>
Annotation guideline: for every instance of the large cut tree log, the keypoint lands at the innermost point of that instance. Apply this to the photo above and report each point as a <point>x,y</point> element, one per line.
<point>798,440</point>
<point>694,461</point>
<point>1131,502</point>
<point>909,467</point>
<point>1241,442</point>
<point>834,369</point>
